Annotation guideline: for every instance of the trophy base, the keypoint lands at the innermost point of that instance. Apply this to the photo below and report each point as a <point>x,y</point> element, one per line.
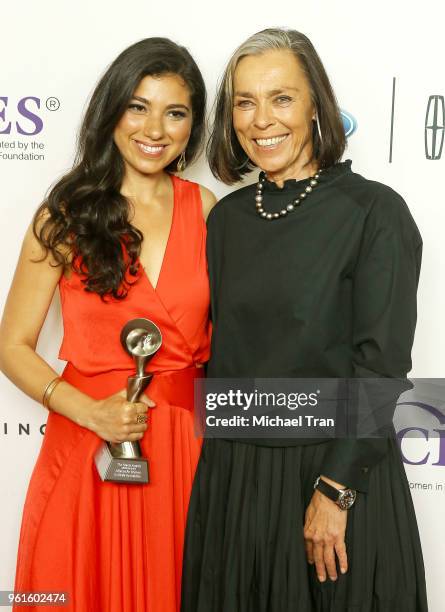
<point>120,469</point>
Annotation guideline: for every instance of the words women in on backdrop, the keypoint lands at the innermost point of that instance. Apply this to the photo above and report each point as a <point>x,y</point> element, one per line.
<point>123,238</point>
<point>313,274</point>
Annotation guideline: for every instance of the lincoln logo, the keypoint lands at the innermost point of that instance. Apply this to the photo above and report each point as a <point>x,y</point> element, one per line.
<point>434,127</point>
<point>436,443</point>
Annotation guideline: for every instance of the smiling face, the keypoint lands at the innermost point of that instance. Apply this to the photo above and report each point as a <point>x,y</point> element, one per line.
<point>273,114</point>
<point>156,126</point>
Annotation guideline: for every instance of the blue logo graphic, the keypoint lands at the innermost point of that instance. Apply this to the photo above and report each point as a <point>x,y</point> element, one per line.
<point>349,123</point>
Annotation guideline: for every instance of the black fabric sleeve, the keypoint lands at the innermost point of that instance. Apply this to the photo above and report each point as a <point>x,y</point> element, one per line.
<point>215,254</point>
<point>385,283</point>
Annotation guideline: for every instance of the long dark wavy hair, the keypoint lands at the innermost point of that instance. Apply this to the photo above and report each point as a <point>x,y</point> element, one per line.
<point>84,220</point>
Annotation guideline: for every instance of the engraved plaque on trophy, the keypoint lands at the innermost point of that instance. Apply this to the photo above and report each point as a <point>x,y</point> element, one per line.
<point>124,462</point>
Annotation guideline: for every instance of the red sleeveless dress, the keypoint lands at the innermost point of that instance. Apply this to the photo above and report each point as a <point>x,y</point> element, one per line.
<point>116,547</point>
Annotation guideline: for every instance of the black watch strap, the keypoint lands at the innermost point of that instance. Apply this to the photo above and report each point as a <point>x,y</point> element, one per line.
<point>327,489</point>
<point>344,498</point>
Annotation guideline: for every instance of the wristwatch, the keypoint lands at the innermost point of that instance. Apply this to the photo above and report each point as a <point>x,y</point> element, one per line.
<point>344,498</point>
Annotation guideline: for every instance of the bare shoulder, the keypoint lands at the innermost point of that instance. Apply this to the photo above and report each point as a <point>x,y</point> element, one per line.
<point>39,229</point>
<point>208,199</point>
<point>31,244</point>
<point>34,254</point>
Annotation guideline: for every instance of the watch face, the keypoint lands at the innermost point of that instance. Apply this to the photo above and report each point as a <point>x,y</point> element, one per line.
<point>346,499</point>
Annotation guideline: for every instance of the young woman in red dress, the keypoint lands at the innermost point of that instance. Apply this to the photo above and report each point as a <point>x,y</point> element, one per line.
<point>122,237</point>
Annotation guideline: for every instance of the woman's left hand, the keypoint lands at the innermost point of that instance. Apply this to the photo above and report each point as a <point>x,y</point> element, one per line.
<point>324,535</point>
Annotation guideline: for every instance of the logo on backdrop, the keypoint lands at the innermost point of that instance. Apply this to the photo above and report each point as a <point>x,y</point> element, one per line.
<point>22,123</point>
<point>434,436</point>
<point>349,123</point>
<point>434,127</point>
<point>22,430</point>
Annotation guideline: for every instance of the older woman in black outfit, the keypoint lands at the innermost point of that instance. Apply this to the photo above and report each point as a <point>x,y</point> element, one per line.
<point>314,273</point>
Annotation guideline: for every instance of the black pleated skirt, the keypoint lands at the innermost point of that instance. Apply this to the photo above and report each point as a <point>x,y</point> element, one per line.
<point>244,547</point>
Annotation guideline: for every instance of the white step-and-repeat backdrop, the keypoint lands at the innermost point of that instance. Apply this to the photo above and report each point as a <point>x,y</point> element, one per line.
<point>385,60</point>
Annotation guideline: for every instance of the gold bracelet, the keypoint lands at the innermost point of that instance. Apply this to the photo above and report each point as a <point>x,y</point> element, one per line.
<point>49,389</point>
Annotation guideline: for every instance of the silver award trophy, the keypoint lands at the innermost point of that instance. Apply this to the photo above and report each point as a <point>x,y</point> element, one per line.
<point>123,462</point>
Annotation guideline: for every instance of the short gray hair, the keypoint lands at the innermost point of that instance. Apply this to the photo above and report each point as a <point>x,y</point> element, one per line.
<point>227,159</point>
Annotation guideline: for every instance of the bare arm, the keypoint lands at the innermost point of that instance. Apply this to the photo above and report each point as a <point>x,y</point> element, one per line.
<point>25,311</point>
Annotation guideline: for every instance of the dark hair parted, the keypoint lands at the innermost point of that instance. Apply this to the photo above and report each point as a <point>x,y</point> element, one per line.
<point>227,159</point>
<point>85,219</point>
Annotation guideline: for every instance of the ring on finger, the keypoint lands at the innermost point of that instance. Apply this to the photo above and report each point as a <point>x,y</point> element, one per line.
<point>141,418</point>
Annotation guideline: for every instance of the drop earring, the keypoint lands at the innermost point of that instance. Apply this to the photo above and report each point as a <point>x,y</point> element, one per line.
<point>318,128</point>
<point>181,165</point>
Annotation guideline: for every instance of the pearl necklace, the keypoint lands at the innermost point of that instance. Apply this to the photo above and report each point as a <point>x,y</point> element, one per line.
<point>290,207</point>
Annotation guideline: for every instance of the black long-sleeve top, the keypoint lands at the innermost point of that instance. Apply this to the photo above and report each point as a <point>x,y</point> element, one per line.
<point>327,291</point>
